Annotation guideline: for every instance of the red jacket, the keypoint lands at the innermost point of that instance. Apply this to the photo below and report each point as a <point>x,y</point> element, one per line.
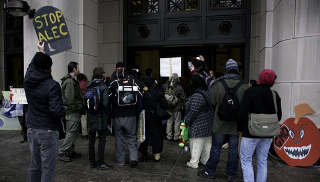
<point>83,84</point>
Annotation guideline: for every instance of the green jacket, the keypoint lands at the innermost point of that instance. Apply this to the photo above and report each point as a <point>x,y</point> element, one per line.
<point>218,92</point>
<point>99,121</point>
<point>71,95</point>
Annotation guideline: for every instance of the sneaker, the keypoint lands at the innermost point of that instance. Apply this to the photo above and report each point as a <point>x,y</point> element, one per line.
<point>75,155</point>
<point>230,179</point>
<point>64,157</point>
<point>133,163</point>
<point>119,164</point>
<point>104,166</point>
<point>194,166</point>
<point>225,146</point>
<point>204,174</point>
<point>170,139</point>
<point>202,164</point>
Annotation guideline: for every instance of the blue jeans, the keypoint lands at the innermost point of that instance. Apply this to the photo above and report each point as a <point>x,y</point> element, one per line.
<point>233,157</point>
<point>44,151</point>
<point>248,146</point>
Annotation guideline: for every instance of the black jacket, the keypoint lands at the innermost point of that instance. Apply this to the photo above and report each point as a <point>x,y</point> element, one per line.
<point>44,98</point>
<point>258,100</point>
<point>123,111</point>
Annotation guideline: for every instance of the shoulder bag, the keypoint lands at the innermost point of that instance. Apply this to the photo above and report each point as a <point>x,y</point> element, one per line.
<point>264,125</point>
<point>160,113</point>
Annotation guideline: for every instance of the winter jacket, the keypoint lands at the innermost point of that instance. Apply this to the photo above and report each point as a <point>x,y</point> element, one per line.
<point>179,93</point>
<point>123,111</point>
<point>83,85</point>
<point>45,107</point>
<point>99,121</point>
<point>199,117</point>
<point>151,97</point>
<point>217,94</point>
<point>71,95</point>
<point>258,100</point>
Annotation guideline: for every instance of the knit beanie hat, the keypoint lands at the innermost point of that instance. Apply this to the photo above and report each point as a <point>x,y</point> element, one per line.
<point>42,61</point>
<point>148,81</point>
<point>231,64</point>
<point>120,64</point>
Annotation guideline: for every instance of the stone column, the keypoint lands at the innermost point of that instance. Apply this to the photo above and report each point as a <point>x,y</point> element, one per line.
<point>289,44</point>
<point>110,36</point>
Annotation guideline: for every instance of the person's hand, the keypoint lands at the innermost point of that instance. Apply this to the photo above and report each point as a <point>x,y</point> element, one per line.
<point>40,46</point>
<point>201,58</point>
<point>191,68</point>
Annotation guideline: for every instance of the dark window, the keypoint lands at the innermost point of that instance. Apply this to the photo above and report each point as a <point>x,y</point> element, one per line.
<point>183,5</point>
<point>225,4</point>
<point>144,7</point>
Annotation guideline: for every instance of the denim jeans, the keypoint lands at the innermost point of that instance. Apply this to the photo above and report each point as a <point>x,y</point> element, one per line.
<point>44,151</point>
<point>248,146</point>
<point>233,157</point>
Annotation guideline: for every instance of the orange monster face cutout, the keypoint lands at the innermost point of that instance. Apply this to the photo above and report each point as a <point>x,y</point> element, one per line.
<point>298,144</point>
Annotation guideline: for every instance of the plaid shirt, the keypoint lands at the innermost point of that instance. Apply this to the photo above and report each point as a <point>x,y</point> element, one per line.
<point>199,117</point>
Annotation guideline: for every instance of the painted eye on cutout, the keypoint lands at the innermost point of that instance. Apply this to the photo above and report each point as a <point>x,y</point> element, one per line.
<point>301,133</point>
<point>291,133</point>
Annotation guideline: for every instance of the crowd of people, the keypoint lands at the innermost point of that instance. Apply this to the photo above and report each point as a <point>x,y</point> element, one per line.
<point>120,99</point>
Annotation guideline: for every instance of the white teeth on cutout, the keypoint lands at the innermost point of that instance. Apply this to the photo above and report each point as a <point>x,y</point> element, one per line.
<point>297,152</point>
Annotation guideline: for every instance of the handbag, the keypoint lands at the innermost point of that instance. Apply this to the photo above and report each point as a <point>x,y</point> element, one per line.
<point>159,112</point>
<point>264,125</point>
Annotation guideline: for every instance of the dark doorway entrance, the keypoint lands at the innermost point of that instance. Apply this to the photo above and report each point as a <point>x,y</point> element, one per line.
<point>215,55</point>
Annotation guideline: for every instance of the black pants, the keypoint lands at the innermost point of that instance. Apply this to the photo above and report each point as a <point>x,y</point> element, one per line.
<point>101,146</point>
<point>154,131</point>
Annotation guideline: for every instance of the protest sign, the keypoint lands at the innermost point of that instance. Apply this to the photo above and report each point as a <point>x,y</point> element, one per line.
<point>51,28</point>
<point>169,66</point>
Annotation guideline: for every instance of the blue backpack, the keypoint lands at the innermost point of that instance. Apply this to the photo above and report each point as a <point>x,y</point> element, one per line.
<point>92,98</point>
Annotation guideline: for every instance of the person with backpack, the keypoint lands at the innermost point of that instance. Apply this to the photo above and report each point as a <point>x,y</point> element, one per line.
<point>259,99</point>
<point>96,99</point>
<point>72,102</point>
<point>226,97</point>
<point>152,95</point>
<point>175,97</point>
<point>126,102</point>
<point>199,119</point>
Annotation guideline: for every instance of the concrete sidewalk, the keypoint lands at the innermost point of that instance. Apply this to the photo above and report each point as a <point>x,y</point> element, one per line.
<point>15,158</point>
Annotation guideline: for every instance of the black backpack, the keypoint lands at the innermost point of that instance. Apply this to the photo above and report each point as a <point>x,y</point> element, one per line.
<point>229,106</point>
<point>92,98</point>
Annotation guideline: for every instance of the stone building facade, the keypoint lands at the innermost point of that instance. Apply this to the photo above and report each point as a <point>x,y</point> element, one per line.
<point>284,36</point>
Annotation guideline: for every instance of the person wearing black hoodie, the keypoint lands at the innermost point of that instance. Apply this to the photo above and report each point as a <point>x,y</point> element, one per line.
<point>45,111</point>
<point>124,117</point>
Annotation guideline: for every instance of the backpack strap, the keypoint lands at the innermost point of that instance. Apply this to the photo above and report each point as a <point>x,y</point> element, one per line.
<point>224,84</point>
<point>238,85</point>
<point>235,88</point>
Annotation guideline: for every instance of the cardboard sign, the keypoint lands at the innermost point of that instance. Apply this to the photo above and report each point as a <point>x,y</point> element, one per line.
<point>169,66</point>
<point>51,28</point>
<point>298,143</point>
<point>18,96</point>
